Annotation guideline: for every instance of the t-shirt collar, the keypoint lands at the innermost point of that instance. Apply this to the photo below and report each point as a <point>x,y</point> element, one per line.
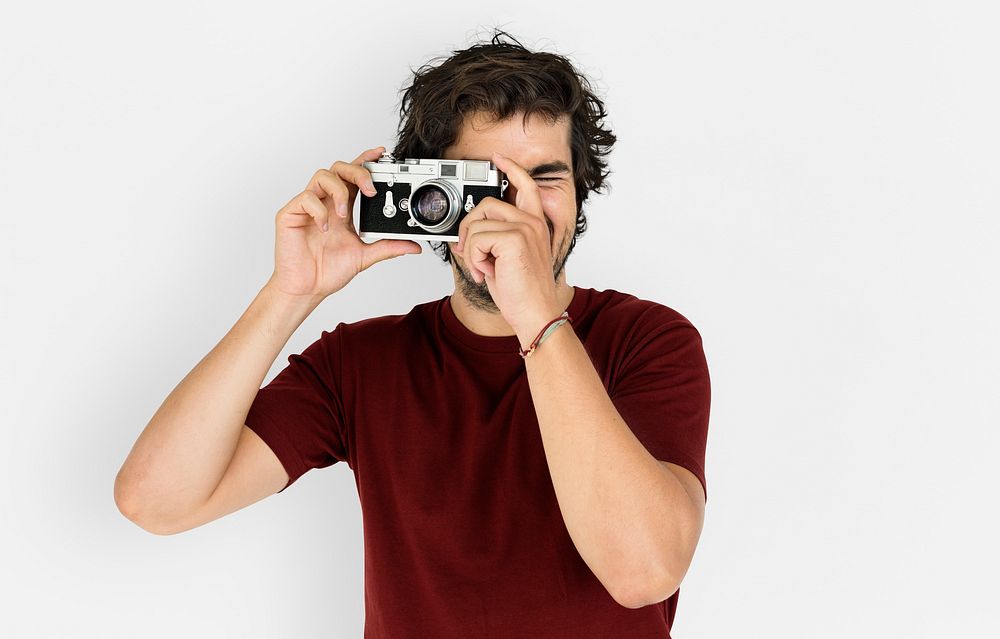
<point>496,343</point>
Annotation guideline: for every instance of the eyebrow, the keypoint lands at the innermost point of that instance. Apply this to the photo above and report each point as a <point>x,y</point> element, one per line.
<point>558,166</point>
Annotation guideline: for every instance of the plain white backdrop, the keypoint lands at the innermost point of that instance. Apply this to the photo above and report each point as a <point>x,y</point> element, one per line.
<point>814,187</point>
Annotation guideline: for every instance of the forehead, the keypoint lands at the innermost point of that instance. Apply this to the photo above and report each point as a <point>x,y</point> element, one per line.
<point>527,139</point>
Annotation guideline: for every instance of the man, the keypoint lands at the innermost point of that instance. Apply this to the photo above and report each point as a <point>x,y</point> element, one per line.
<point>519,475</point>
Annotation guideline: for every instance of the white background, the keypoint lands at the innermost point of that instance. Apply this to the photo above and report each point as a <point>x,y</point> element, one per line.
<point>814,188</point>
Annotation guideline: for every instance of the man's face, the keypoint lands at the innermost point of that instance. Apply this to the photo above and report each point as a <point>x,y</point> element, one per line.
<point>538,145</point>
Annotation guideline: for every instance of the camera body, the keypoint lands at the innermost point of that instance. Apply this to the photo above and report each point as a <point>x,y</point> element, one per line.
<point>423,199</point>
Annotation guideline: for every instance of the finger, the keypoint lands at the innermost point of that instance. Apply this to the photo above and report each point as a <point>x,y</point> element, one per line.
<point>487,270</point>
<point>483,249</point>
<point>369,156</point>
<point>480,225</point>
<point>528,198</point>
<point>479,266</point>
<point>355,175</point>
<point>384,249</point>
<point>343,199</point>
<point>366,156</point>
<point>330,187</point>
<point>304,209</point>
<point>494,209</point>
<point>480,212</point>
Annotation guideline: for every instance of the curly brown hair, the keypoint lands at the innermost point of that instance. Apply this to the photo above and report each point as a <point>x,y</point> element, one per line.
<point>501,79</point>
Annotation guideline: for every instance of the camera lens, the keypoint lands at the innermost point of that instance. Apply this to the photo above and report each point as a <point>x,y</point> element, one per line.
<point>435,206</point>
<point>431,206</point>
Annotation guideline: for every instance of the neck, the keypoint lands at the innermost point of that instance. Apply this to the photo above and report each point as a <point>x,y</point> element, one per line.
<point>482,317</point>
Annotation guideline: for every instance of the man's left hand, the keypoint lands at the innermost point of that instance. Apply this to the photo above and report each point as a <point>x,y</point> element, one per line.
<point>509,247</point>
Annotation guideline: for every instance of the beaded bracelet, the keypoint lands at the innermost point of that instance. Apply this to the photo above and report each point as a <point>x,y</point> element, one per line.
<point>545,332</point>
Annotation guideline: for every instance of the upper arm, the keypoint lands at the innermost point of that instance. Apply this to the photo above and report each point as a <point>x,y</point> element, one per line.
<point>692,485</point>
<point>253,474</point>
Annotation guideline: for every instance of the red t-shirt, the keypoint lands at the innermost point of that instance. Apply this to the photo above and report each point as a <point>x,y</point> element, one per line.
<point>463,535</point>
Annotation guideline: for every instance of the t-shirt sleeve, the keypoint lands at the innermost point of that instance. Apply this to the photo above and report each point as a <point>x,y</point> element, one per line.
<point>300,414</point>
<point>663,391</point>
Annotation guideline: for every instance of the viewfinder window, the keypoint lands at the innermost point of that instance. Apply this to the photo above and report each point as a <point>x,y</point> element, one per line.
<point>476,171</point>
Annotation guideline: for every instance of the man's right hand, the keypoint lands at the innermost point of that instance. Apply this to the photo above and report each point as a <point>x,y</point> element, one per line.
<point>310,263</point>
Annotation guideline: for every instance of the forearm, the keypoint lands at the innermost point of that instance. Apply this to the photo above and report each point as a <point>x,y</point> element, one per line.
<point>182,454</point>
<point>620,505</point>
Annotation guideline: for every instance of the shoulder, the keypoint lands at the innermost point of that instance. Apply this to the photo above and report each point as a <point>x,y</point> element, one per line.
<point>624,331</point>
<point>612,308</point>
<point>387,331</point>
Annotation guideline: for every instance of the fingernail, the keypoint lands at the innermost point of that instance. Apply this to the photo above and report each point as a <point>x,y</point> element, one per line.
<point>370,188</point>
<point>326,225</point>
<point>342,210</point>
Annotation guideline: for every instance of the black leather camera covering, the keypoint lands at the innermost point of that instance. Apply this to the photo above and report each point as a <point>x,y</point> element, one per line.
<point>373,221</point>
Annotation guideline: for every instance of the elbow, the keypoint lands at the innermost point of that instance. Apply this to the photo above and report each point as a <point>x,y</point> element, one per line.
<point>124,499</point>
<point>639,593</point>
<point>661,592</point>
<point>129,505</point>
<point>654,581</point>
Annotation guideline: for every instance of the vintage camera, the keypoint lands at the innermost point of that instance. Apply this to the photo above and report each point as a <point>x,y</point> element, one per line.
<point>421,199</point>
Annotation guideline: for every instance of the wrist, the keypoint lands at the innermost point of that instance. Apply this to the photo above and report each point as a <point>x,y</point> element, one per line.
<point>288,306</point>
<point>289,300</point>
<point>530,330</point>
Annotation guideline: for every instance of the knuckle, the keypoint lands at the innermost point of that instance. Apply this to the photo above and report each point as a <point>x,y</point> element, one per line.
<point>309,196</point>
<point>339,188</point>
<point>286,209</point>
<point>333,185</point>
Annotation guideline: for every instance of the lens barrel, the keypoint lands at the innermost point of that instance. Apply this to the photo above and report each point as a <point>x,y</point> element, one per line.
<point>435,205</point>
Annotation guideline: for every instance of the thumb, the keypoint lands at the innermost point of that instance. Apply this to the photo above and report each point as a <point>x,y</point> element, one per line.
<point>386,249</point>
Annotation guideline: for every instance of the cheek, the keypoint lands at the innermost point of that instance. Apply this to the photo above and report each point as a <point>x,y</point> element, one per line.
<point>560,209</point>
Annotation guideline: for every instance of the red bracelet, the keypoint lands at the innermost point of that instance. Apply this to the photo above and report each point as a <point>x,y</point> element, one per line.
<point>545,332</point>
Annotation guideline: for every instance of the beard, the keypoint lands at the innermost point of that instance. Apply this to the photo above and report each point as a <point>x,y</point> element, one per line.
<point>479,296</point>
